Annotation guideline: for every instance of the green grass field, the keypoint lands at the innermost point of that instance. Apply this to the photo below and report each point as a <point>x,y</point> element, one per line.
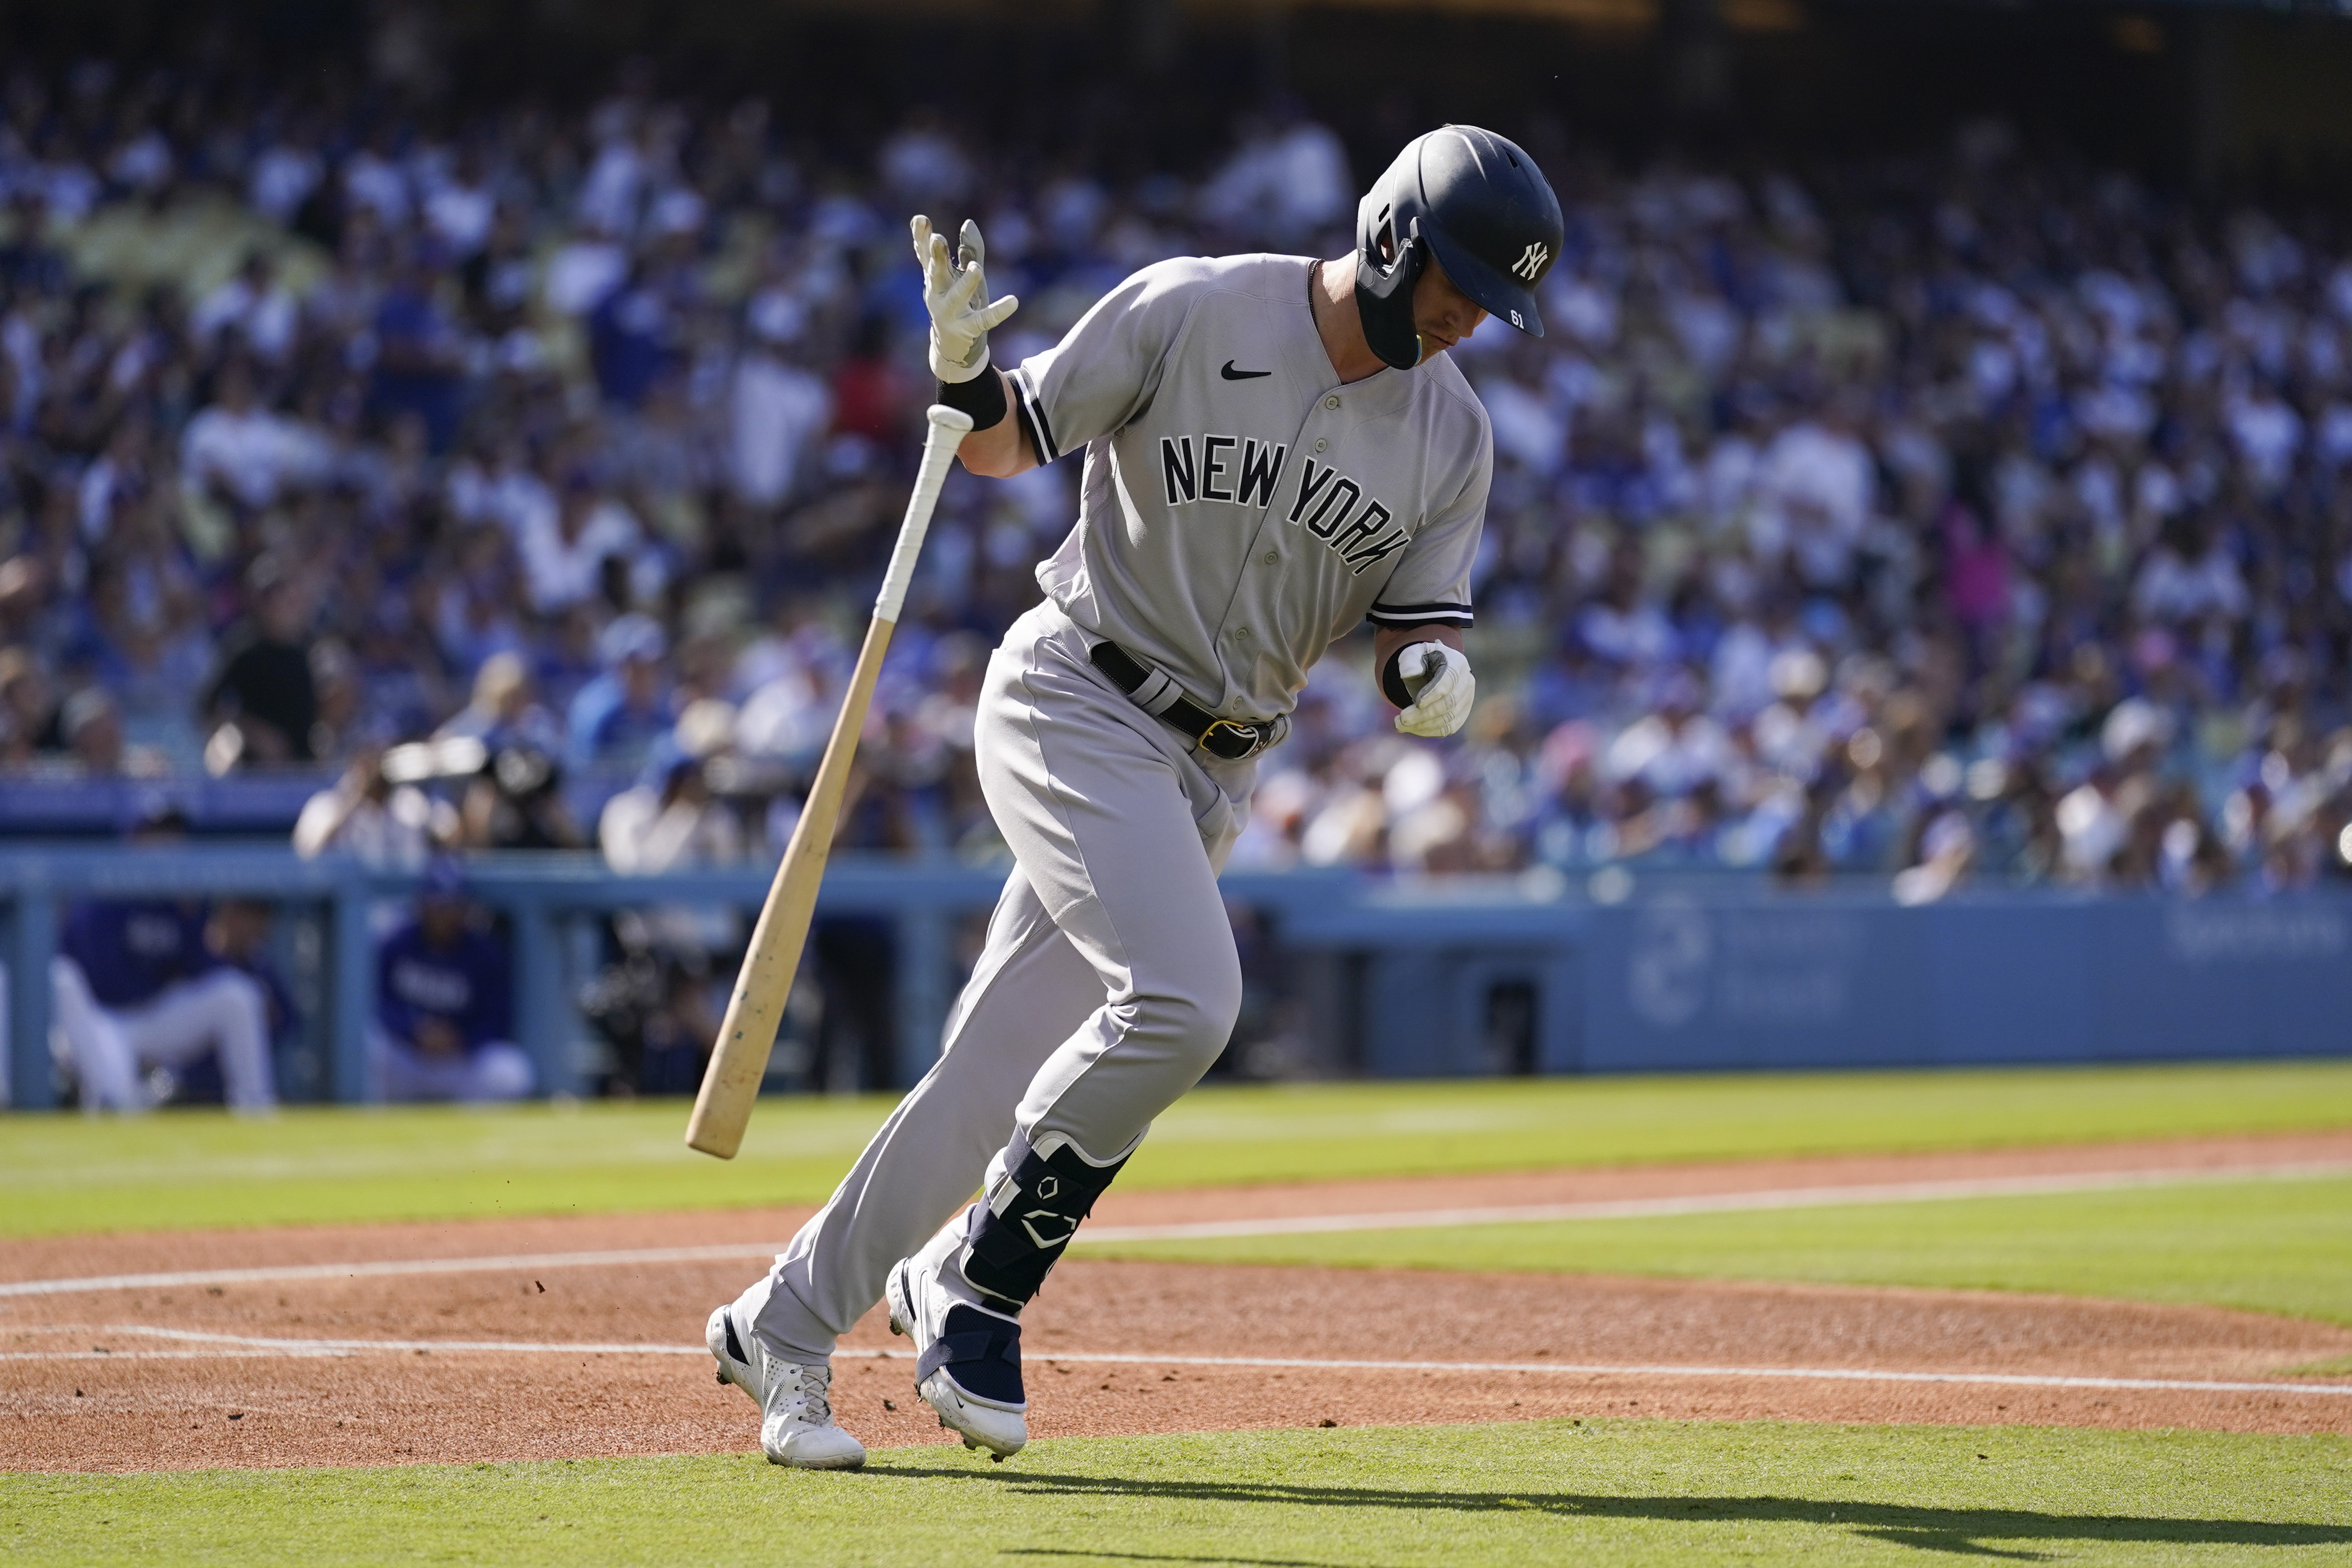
<point>63,1175</point>
<point>1554,1491</point>
<point>2273,1245</point>
<point>1597,1493</point>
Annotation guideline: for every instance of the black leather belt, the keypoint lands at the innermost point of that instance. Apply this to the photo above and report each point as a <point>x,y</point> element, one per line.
<point>1156,693</point>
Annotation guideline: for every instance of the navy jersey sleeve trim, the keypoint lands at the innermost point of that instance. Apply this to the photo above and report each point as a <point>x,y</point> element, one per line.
<point>1041,434</point>
<point>1417,615</point>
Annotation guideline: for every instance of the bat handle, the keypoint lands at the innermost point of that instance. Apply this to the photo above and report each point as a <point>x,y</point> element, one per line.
<point>949,427</point>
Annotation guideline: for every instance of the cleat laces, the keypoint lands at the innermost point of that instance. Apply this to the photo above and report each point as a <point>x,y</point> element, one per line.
<point>811,1390</point>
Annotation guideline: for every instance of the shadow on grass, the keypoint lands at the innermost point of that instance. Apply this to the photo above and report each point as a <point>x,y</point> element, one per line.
<point>1172,1557</point>
<point>1964,1530</point>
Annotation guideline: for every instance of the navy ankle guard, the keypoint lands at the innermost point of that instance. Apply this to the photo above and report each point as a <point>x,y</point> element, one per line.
<point>1017,1236</point>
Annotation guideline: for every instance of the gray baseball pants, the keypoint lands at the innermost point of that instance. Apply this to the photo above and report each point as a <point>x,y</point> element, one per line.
<point>1108,984</point>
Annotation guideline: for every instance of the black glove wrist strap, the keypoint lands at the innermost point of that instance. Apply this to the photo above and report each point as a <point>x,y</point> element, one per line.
<point>983,398</point>
<point>1393,681</point>
<point>1392,686</point>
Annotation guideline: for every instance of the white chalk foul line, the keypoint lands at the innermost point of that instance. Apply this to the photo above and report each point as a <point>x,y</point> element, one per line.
<point>279,1274</point>
<point>1296,1225</point>
<point>244,1346</point>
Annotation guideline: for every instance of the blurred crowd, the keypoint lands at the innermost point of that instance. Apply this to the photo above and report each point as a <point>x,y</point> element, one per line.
<point>1973,515</point>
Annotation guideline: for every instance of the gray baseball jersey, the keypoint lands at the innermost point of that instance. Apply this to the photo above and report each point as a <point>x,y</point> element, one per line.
<point>1240,508</point>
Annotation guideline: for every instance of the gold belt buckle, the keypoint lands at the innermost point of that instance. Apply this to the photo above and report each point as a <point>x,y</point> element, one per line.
<point>1249,731</point>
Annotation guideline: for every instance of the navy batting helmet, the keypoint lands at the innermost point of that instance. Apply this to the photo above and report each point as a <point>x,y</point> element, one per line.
<point>1475,202</point>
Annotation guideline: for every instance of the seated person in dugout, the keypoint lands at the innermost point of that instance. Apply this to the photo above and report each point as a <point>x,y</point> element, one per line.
<point>444,1026</point>
<point>138,989</point>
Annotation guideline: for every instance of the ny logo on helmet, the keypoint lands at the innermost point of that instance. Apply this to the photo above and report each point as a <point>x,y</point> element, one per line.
<point>1531,261</point>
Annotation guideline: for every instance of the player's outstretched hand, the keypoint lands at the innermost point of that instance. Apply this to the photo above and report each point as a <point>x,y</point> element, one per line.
<point>955,292</point>
<point>1443,690</point>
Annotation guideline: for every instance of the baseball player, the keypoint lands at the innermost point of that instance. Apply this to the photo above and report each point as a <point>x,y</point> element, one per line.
<point>1277,448</point>
<point>444,1025</point>
<point>137,987</point>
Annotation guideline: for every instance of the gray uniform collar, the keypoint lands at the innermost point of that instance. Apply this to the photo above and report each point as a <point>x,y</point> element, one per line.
<point>1387,390</point>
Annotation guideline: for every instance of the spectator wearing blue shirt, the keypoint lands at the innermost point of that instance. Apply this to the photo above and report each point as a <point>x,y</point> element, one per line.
<point>617,717</point>
<point>417,359</point>
<point>136,987</point>
<point>629,341</point>
<point>444,1024</point>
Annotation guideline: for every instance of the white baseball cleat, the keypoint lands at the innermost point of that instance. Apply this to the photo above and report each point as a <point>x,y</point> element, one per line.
<point>967,1357</point>
<point>795,1417</point>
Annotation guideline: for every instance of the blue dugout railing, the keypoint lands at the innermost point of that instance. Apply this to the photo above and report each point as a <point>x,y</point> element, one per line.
<point>1402,979</point>
<point>538,893</point>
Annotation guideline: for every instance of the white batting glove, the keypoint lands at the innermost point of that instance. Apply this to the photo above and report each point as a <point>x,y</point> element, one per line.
<point>953,290</point>
<point>1443,690</point>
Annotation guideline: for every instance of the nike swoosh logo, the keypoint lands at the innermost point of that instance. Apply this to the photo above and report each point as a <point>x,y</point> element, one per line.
<point>1230,373</point>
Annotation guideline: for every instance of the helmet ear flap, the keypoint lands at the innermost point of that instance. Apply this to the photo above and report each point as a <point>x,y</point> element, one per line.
<point>1385,276</point>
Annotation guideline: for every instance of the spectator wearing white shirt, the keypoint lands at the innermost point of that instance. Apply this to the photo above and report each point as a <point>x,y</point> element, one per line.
<point>505,489</point>
<point>1285,183</point>
<point>1790,737</point>
<point>1727,477</point>
<point>281,179</point>
<point>564,552</point>
<point>2188,576</point>
<point>142,162</point>
<point>610,195</point>
<point>460,207</point>
<point>776,405</point>
<point>583,270</point>
<point>1624,625</point>
<point>241,449</point>
<point>1946,849</point>
<point>255,305</point>
<point>923,165</point>
<point>1676,750</point>
<point>1812,499</point>
<point>373,180</point>
<point>1527,426</point>
<point>789,697</point>
<point>2268,432</point>
<point>1741,667</point>
<point>673,822</point>
<point>386,827</point>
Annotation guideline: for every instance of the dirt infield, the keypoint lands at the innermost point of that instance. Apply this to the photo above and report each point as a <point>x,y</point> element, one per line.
<point>520,1358</point>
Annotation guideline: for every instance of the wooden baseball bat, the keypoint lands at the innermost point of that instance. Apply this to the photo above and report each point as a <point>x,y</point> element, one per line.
<point>740,1059</point>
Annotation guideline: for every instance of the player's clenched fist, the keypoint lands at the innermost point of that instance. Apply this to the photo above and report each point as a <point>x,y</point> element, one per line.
<point>955,293</point>
<point>1439,679</point>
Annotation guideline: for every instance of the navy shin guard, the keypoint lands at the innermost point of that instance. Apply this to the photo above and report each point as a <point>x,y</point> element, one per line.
<point>1017,1236</point>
